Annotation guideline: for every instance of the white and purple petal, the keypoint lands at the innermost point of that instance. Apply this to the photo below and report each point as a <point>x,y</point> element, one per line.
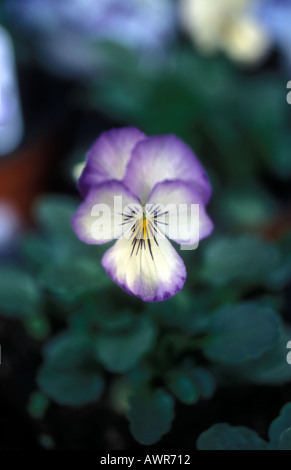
<point>99,219</point>
<point>108,157</point>
<point>162,158</point>
<point>181,214</point>
<point>150,270</point>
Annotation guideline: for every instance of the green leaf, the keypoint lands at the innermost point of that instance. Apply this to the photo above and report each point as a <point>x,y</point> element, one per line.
<point>59,242</point>
<point>246,205</point>
<point>37,406</point>
<point>35,250</point>
<point>279,426</point>
<point>241,332</point>
<point>189,385</point>
<point>70,375</point>
<point>150,415</point>
<point>281,276</point>
<point>37,326</point>
<point>184,311</point>
<point>272,366</point>
<point>279,160</point>
<point>54,214</point>
<point>114,320</point>
<point>205,382</point>
<point>222,436</point>
<point>74,277</point>
<point>46,441</point>
<point>285,440</point>
<point>119,352</point>
<point>19,295</point>
<point>183,387</point>
<point>246,260</point>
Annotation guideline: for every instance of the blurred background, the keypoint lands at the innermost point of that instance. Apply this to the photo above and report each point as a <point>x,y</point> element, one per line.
<point>216,74</point>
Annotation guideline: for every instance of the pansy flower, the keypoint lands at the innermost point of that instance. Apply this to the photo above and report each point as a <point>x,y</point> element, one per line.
<point>145,190</point>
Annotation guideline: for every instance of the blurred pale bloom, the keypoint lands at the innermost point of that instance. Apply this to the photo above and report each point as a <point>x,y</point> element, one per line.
<point>275,15</point>
<point>10,225</point>
<point>226,25</point>
<point>11,125</point>
<point>68,31</point>
<point>147,175</point>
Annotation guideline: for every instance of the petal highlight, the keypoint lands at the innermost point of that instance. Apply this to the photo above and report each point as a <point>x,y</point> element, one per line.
<point>183,217</point>
<point>164,158</point>
<point>99,219</point>
<point>153,272</point>
<point>108,157</point>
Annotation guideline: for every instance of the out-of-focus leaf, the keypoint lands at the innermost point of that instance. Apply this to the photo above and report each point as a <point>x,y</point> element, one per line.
<point>279,160</point>
<point>74,277</point>
<point>54,214</point>
<point>70,374</point>
<point>184,311</point>
<point>58,242</point>
<point>279,426</point>
<point>119,352</point>
<point>246,260</point>
<point>150,415</point>
<point>205,382</point>
<point>183,387</point>
<point>36,250</point>
<point>46,441</point>
<point>19,294</point>
<point>37,406</point>
<point>114,320</point>
<point>246,206</point>
<point>191,384</point>
<point>285,440</point>
<point>272,366</point>
<point>37,326</point>
<point>241,332</point>
<point>280,276</point>
<point>222,436</point>
<point>262,108</point>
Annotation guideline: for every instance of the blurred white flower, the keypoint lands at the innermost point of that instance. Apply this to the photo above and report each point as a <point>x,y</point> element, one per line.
<point>10,225</point>
<point>11,125</point>
<point>225,25</point>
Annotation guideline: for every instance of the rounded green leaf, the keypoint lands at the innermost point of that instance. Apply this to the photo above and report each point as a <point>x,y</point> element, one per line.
<point>74,387</point>
<point>190,384</point>
<point>272,367</point>
<point>285,440</point>
<point>54,214</point>
<point>222,436</point>
<point>73,277</point>
<point>205,382</point>
<point>70,375</point>
<point>182,385</point>
<point>19,295</point>
<point>150,415</point>
<point>245,259</point>
<point>120,351</point>
<point>279,425</point>
<point>184,311</point>
<point>241,332</point>
<point>247,205</point>
<point>114,320</point>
